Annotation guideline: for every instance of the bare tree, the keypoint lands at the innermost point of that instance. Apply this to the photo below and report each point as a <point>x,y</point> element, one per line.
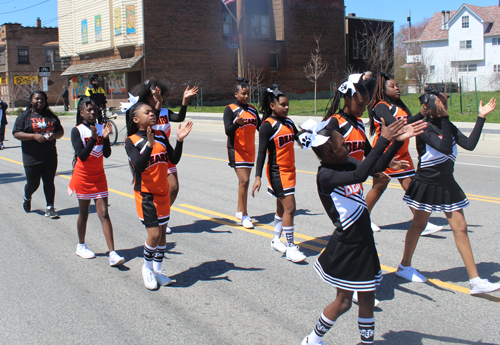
<point>316,68</point>
<point>377,49</point>
<point>420,69</point>
<point>22,88</point>
<point>256,76</point>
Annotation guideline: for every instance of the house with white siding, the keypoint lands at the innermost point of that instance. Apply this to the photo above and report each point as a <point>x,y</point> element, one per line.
<point>461,45</point>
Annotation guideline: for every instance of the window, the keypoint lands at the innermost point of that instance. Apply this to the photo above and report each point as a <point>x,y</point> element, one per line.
<point>466,44</point>
<point>473,67</point>
<point>52,55</point>
<point>273,61</point>
<point>2,56</point>
<point>227,24</point>
<point>365,32</point>
<point>382,48</point>
<point>462,68</point>
<point>260,25</point>
<point>355,49</point>
<point>23,56</point>
<point>433,69</point>
<point>496,68</point>
<point>465,22</point>
<point>495,41</point>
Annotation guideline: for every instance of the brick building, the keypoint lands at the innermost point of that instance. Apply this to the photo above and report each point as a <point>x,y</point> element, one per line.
<point>22,51</point>
<point>369,44</point>
<point>186,42</point>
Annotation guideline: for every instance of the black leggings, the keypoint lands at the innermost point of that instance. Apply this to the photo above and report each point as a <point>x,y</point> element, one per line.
<point>45,170</point>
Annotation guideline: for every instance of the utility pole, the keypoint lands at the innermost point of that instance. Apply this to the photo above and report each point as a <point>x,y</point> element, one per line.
<point>242,50</point>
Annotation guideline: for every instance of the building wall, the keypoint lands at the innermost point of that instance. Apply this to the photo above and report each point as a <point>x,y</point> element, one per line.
<point>80,30</point>
<point>192,49</point>
<point>15,36</point>
<point>475,33</point>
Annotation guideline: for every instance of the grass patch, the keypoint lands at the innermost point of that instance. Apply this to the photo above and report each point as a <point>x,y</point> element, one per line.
<point>306,107</point>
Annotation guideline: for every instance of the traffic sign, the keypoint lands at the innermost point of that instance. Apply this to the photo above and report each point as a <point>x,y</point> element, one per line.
<point>44,71</point>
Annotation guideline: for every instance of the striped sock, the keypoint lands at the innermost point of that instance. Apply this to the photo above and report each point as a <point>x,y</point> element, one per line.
<point>288,231</point>
<point>322,326</point>
<point>158,259</point>
<point>278,227</point>
<point>366,329</point>
<point>149,253</point>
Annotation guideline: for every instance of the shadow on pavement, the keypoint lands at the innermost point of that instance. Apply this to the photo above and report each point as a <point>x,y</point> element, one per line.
<point>202,226</point>
<point>11,178</point>
<point>207,271</point>
<point>416,338</point>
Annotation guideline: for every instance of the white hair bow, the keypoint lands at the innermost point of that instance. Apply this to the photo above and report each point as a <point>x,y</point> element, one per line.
<point>131,101</point>
<point>349,84</point>
<point>308,139</point>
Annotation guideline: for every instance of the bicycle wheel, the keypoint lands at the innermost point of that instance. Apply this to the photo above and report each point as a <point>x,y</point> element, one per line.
<point>113,136</point>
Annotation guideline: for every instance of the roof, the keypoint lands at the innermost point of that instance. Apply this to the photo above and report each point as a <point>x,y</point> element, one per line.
<point>53,43</point>
<point>101,66</point>
<point>370,19</point>
<point>411,64</point>
<point>488,14</point>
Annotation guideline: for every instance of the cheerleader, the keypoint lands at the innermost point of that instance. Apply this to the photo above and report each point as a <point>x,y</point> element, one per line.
<point>91,142</point>
<point>154,92</point>
<point>350,261</point>
<point>434,188</point>
<point>149,152</point>
<point>241,120</point>
<point>387,104</point>
<point>276,136</point>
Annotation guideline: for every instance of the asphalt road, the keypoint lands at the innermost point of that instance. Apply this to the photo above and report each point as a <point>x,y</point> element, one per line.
<point>231,288</point>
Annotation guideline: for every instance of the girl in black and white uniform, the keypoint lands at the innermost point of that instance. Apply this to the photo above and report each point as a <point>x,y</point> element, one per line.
<point>434,188</point>
<point>350,260</point>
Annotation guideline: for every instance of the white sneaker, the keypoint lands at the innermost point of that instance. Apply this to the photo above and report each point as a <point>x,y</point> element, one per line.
<point>115,259</point>
<point>483,286</point>
<point>149,278</point>
<point>162,279</point>
<point>246,222</point>
<point>168,231</point>
<point>411,274</point>
<point>305,341</point>
<point>278,246</point>
<point>238,215</point>
<point>376,302</point>
<point>294,254</point>
<point>375,228</point>
<point>430,229</point>
<point>84,252</point>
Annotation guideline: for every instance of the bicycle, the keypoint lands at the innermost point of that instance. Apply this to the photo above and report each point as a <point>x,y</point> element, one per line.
<point>113,136</point>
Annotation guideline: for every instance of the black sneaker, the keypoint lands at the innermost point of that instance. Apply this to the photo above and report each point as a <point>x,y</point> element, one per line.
<point>27,205</point>
<point>51,212</point>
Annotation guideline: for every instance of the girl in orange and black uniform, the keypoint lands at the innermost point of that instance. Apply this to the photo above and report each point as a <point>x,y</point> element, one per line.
<point>149,153</point>
<point>153,92</point>
<point>276,136</point>
<point>241,121</point>
<point>38,128</point>
<point>387,104</point>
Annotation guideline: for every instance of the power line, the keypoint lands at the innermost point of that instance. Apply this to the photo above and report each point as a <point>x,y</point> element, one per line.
<point>22,9</point>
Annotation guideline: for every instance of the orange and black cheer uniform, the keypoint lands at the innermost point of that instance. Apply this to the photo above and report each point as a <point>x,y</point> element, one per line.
<point>353,131</point>
<point>163,119</point>
<point>89,180</point>
<point>277,136</point>
<point>392,112</point>
<point>241,138</point>
<point>150,169</point>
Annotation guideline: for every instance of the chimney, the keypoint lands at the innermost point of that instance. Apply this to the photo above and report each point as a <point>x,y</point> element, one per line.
<point>442,19</point>
<point>448,16</point>
<point>38,23</point>
<point>354,14</point>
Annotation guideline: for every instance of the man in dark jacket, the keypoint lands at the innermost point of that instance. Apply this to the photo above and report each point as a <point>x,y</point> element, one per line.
<point>65,97</point>
<point>3,121</point>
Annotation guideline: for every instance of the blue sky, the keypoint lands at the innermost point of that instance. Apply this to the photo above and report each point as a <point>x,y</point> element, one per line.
<point>390,10</point>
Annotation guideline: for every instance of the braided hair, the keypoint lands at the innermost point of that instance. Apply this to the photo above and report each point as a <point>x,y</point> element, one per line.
<point>129,118</point>
<point>335,102</point>
<point>241,83</point>
<point>269,96</point>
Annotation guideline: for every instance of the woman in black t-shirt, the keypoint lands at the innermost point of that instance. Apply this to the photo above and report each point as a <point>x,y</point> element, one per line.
<point>38,128</point>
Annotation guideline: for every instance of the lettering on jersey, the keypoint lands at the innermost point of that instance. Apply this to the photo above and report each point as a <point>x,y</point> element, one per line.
<point>402,117</point>
<point>358,145</point>
<point>39,125</point>
<point>353,189</point>
<point>252,122</point>
<point>158,158</point>
<point>100,140</point>
<point>285,139</point>
<point>162,120</point>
